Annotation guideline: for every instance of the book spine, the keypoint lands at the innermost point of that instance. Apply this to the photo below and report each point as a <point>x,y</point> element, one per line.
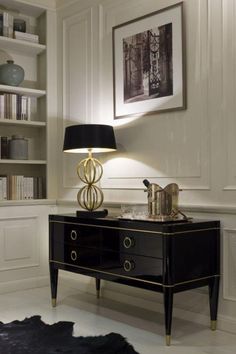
<point>28,108</point>
<point>1,188</point>
<point>4,147</point>
<point>7,25</point>
<point>1,24</point>
<point>31,188</point>
<point>13,106</point>
<point>4,187</point>
<point>25,188</point>
<point>2,107</point>
<point>18,116</point>
<point>9,187</point>
<point>23,107</point>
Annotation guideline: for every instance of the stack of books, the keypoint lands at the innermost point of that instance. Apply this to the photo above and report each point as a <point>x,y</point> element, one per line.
<point>13,106</point>
<point>6,24</point>
<point>18,187</point>
<point>26,36</point>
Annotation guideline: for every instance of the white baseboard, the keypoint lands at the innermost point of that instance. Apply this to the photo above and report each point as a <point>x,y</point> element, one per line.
<point>23,284</point>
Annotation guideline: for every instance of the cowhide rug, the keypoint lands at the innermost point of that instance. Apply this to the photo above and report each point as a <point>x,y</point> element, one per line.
<point>32,336</point>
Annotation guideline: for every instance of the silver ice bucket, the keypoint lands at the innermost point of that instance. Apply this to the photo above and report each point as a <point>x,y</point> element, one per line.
<point>162,202</point>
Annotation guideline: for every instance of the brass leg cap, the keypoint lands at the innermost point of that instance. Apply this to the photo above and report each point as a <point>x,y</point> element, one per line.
<point>54,302</point>
<point>168,337</point>
<point>213,325</point>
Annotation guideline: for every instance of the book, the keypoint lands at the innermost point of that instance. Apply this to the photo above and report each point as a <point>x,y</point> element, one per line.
<point>13,105</point>
<point>4,147</point>
<point>24,105</point>
<point>1,24</point>
<point>4,187</point>
<point>2,107</point>
<point>26,36</point>
<point>7,24</point>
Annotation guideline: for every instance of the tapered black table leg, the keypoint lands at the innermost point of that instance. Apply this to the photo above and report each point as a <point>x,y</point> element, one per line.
<point>53,283</point>
<point>98,284</point>
<point>168,306</point>
<point>213,285</point>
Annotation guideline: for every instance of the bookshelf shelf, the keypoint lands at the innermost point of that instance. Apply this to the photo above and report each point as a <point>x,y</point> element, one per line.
<point>14,122</point>
<point>22,91</point>
<point>23,162</point>
<point>20,46</point>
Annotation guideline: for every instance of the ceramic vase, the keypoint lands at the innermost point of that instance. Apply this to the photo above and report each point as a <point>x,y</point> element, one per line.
<point>11,74</point>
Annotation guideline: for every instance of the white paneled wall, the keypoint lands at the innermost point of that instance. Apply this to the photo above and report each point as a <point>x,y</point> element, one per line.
<point>24,246</point>
<point>194,147</point>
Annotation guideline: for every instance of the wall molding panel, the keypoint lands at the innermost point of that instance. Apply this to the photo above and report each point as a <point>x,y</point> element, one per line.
<point>19,243</point>
<point>229,264</point>
<point>77,80</point>
<point>229,85</point>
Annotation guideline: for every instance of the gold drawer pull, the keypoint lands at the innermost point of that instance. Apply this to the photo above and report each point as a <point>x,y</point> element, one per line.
<point>128,242</point>
<point>73,255</point>
<point>73,235</point>
<point>128,265</point>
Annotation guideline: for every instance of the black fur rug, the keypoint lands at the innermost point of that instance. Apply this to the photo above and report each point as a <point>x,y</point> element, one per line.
<point>32,336</point>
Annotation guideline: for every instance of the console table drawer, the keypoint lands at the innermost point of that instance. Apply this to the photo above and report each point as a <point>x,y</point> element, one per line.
<point>132,242</point>
<point>87,257</point>
<point>77,235</point>
<point>132,265</point>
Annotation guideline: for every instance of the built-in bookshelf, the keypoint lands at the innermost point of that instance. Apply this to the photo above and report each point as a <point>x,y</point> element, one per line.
<point>31,97</point>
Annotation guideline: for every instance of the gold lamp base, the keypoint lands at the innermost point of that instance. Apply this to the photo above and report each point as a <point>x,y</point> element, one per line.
<point>90,197</point>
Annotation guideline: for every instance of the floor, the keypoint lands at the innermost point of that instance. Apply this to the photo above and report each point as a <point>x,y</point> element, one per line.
<point>143,329</point>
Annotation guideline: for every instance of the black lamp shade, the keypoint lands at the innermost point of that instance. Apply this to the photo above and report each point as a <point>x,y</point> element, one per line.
<point>84,137</point>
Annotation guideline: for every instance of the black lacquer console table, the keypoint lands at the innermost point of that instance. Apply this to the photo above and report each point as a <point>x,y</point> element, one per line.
<point>162,257</point>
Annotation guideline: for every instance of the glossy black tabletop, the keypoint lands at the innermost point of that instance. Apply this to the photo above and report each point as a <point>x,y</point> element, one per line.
<point>155,226</point>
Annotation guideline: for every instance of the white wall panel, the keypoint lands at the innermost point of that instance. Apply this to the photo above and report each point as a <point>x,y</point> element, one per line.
<point>24,245</point>
<point>228,96</point>
<point>229,265</point>
<point>19,243</point>
<point>77,76</point>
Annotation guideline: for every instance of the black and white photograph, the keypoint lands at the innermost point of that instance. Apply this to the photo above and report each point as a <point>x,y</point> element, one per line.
<point>147,60</point>
<point>148,64</point>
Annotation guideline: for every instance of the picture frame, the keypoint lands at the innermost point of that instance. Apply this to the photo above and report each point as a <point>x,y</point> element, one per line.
<point>148,65</point>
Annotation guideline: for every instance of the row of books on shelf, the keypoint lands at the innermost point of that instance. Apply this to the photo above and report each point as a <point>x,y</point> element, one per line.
<point>14,106</point>
<point>8,28</point>
<point>17,187</point>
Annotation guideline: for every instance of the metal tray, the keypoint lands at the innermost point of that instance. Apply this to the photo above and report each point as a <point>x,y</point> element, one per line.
<point>161,219</point>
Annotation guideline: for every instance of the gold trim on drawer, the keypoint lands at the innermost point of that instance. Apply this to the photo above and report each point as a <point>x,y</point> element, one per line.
<point>137,279</point>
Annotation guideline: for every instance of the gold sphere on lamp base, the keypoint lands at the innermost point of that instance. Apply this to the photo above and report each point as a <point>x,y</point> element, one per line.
<point>90,197</point>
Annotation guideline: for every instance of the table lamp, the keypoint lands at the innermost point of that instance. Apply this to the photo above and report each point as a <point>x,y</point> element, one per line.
<point>90,138</point>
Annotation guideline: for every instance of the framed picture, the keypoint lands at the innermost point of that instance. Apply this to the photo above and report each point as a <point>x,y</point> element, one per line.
<point>148,70</point>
